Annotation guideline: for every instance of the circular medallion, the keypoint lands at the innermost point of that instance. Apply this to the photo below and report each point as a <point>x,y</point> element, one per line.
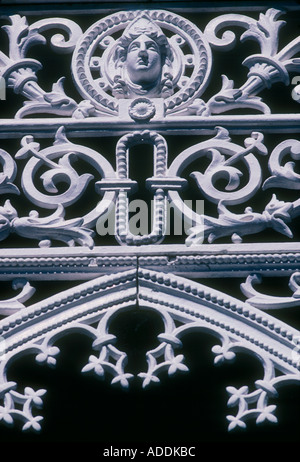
<point>141,54</point>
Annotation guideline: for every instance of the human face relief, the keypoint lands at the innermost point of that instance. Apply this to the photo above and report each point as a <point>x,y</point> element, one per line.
<point>143,60</point>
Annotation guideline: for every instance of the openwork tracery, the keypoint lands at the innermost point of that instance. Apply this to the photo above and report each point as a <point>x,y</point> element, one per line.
<point>139,76</point>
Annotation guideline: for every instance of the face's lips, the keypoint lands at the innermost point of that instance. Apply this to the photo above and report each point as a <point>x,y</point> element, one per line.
<point>142,61</point>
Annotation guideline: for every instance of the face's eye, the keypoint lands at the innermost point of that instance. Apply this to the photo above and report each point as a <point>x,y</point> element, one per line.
<point>152,46</point>
<point>134,46</point>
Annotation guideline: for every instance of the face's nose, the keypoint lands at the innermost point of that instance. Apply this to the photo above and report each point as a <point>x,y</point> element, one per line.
<point>143,49</point>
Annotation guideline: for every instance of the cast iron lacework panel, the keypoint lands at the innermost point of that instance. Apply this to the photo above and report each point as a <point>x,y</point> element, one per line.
<point>95,168</point>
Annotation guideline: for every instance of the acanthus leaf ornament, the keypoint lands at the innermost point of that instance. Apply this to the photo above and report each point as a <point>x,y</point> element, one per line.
<point>265,69</point>
<point>44,229</point>
<point>55,102</point>
<point>20,71</point>
<point>276,215</point>
<point>265,30</point>
<point>53,227</point>
<point>228,98</point>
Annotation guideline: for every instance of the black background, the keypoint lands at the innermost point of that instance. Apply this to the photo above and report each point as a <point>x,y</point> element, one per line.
<point>187,409</point>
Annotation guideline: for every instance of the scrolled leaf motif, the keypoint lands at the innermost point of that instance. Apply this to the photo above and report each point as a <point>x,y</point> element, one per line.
<point>8,174</point>
<point>284,175</point>
<point>21,37</point>
<point>58,41</point>
<point>54,102</point>
<point>276,215</point>
<point>220,167</point>
<point>228,39</point>
<point>53,227</point>
<point>265,68</point>
<point>63,171</point>
<point>44,229</point>
<point>265,31</point>
<point>224,154</point>
<point>229,98</point>
<point>20,71</point>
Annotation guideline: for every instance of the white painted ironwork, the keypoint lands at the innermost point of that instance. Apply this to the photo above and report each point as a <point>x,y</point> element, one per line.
<point>139,75</point>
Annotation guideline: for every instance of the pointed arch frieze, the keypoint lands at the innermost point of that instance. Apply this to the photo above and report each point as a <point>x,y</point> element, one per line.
<point>184,306</point>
